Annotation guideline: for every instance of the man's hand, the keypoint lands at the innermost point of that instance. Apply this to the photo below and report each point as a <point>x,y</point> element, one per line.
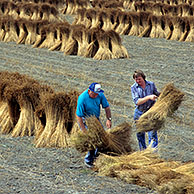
<point>108,124</point>
<point>153,97</point>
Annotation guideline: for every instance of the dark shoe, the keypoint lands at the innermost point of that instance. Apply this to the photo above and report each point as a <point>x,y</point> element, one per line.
<point>88,164</point>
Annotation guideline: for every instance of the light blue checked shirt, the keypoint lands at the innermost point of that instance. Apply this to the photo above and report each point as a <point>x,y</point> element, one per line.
<point>138,92</point>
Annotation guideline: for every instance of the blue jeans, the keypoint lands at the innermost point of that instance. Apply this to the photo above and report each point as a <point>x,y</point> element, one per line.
<point>152,135</point>
<point>92,154</point>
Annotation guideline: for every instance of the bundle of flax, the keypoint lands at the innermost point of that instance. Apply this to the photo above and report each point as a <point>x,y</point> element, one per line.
<point>12,101</point>
<point>106,141</point>
<point>59,113</point>
<point>167,103</point>
<point>146,169</point>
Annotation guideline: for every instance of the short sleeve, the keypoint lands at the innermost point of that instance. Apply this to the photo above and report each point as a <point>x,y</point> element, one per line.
<point>80,108</point>
<point>104,101</point>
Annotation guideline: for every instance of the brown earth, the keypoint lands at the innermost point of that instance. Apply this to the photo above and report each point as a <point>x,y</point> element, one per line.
<point>26,169</point>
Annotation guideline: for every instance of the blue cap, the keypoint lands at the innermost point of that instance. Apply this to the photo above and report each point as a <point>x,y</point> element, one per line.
<point>96,88</point>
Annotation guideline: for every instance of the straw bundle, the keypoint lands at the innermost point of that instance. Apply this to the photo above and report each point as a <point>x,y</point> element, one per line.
<point>167,103</point>
<point>123,18</point>
<point>36,15</point>
<point>146,169</point>
<point>13,10</point>
<point>104,51</point>
<point>41,36</point>
<point>168,27</point>
<point>161,28</point>
<point>25,10</point>
<point>10,30</point>
<point>79,4</point>
<point>111,141</point>
<point>65,31</point>
<point>22,31</point>
<point>114,15</point>
<point>93,16</point>
<point>29,99</point>
<point>6,124</point>
<point>59,110</point>
<point>136,27</point>
<point>190,36</point>
<point>111,165</point>
<point>58,41</point>
<point>71,45</point>
<point>107,4</point>
<point>175,183</point>
<point>79,34</point>
<point>170,10</point>
<point>113,4</point>
<point>2,30</point>
<point>179,30</point>
<point>10,107</point>
<point>186,10</point>
<point>31,27</point>
<point>93,43</point>
<point>154,24</point>
<point>70,7</point>
<point>95,136</point>
<point>145,20</point>
<point>187,169</point>
<point>80,16</point>
<point>50,39</point>
<point>118,50</point>
<point>157,9</point>
<point>122,135</point>
<point>126,25</point>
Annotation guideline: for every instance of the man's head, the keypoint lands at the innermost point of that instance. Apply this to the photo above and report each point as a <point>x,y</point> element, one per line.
<point>94,90</point>
<point>139,77</point>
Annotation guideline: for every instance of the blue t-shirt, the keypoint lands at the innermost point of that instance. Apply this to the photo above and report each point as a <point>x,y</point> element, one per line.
<point>138,92</point>
<point>87,106</point>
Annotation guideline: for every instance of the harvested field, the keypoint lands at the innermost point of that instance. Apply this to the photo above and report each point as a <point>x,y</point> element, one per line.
<point>26,169</point>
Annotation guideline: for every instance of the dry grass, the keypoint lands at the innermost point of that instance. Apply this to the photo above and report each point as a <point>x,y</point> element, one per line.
<point>115,141</point>
<point>167,103</point>
<point>147,169</point>
<point>59,114</point>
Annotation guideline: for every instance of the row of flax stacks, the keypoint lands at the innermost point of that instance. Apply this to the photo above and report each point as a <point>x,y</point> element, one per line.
<point>142,24</point>
<point>46,29</point>
<point>128,3</point>
<point>28,108</point>
<point>155,19</point>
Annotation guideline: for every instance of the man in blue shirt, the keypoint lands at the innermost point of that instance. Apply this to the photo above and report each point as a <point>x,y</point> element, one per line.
<point>144,94</point>
<point>89,104</point>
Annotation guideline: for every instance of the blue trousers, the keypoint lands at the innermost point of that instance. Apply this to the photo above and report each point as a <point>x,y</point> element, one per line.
<point>152,135</point>
<point>92,154</point>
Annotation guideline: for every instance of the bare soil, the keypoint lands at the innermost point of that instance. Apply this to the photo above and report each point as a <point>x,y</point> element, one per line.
<point>26,169</point>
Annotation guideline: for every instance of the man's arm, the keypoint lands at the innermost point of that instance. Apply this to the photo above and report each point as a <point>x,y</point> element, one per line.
<point>152,97</point>
<point>81,124</point>
<point>108,116</point>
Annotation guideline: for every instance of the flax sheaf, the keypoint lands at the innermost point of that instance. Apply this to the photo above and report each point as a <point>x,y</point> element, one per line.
<point>167,103</point>
<point>115,141</point>
<point>57,114</point>
<point>145,168</point>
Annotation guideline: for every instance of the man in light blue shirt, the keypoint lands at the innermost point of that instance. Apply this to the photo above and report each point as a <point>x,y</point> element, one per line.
<point>89,104</point>
<point>144,94</point>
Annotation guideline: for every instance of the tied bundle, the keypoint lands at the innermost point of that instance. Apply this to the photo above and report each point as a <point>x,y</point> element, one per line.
<point>145,168</point>
<point>111,141</point>
<point>167,103</point>
<point>57,114</point>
